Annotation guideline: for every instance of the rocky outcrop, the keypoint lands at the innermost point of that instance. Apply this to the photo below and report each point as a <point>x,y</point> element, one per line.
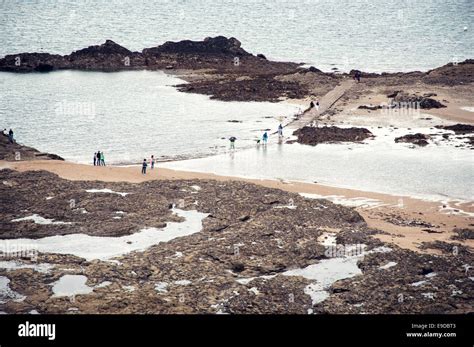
<point>231,73</point>
<point>16,152</point>
<point>33,62</point>
<point>459,129</point>
<point>219,45</point>
<point>218,53</point>
<point>416,139</point>
<point>260,88</point>
<point>452,74</point>
<point>316,135</point>
<point>108,56</point>
<point>415,101</point>
<point>463,234</point>
<point>447,75</point>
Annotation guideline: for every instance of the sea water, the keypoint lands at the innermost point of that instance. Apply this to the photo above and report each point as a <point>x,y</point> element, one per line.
<point>127,115</point>
<point>396,35</point>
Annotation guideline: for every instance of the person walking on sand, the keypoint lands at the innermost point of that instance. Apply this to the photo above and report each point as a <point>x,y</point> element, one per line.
<point>95,158</point>
<point>265,138</point>
<point>144,165</point>
<point>152,162</point>
<point>102,159</point>
<point>10,136</point>
<point>280,130</point>
<point>232,142</point>
<point>357,76</point>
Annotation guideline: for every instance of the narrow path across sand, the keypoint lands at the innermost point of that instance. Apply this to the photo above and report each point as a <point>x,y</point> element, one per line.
<point>325,103</point>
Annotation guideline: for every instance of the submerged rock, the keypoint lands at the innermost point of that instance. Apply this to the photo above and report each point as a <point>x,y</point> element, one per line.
<point>458,128</point>
<point>416,139</point>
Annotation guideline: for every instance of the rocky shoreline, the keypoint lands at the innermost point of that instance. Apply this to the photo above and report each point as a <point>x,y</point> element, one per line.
<point>244,260</point>
<point>15,151</point>
<point>221,68</point>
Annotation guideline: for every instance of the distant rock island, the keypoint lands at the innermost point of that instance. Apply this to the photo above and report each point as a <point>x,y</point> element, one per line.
<point>221,68</point>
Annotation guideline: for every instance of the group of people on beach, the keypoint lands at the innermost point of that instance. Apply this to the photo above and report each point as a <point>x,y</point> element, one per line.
<point>264,138</point>
<point>99,158</point>
<point>145,164</point>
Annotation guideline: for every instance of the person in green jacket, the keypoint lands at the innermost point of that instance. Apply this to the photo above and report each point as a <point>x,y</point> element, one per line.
<point>102,159</point>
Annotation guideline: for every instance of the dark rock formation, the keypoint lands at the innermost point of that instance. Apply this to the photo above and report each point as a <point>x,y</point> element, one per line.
<point>231,72</point>
<point>447,75</point>
<point>452,74</point>
<point>16,152</point>
<point>416,139</point>
<point>393,94</point>
<point>463,234</point>
<point>315,135</point>
<point>459,129</point>
<point>370,107</point>
<point>315,70</point>
<point>211,45</point>
<point>218,53</point>
<point>260,88</point>
<point>108,56</point>
<point>415,101</point>
<point>33,62</point>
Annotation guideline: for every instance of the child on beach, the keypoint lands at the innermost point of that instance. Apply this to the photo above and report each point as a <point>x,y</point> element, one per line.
<point>102,159</point>
<point>144,165</point>
<point>152,162</point>
<point>232,142</point>
<point>265,138</point>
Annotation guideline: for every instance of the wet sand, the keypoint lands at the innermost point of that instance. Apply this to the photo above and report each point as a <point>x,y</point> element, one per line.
<point>404,221</point>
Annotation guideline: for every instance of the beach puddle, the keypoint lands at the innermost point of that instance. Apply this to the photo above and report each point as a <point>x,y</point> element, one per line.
<point>448,208</point>
<point>362,202</point>
<point>161,287</point>
<point>37,219</point>
<point>105,248</point>
<point>328,271</point>
<point>388,265</point>
<point>70,285</point>
<point>325,273</point>
<point>106,191</point>
<point>6,293</point>
<point>16,265</point>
